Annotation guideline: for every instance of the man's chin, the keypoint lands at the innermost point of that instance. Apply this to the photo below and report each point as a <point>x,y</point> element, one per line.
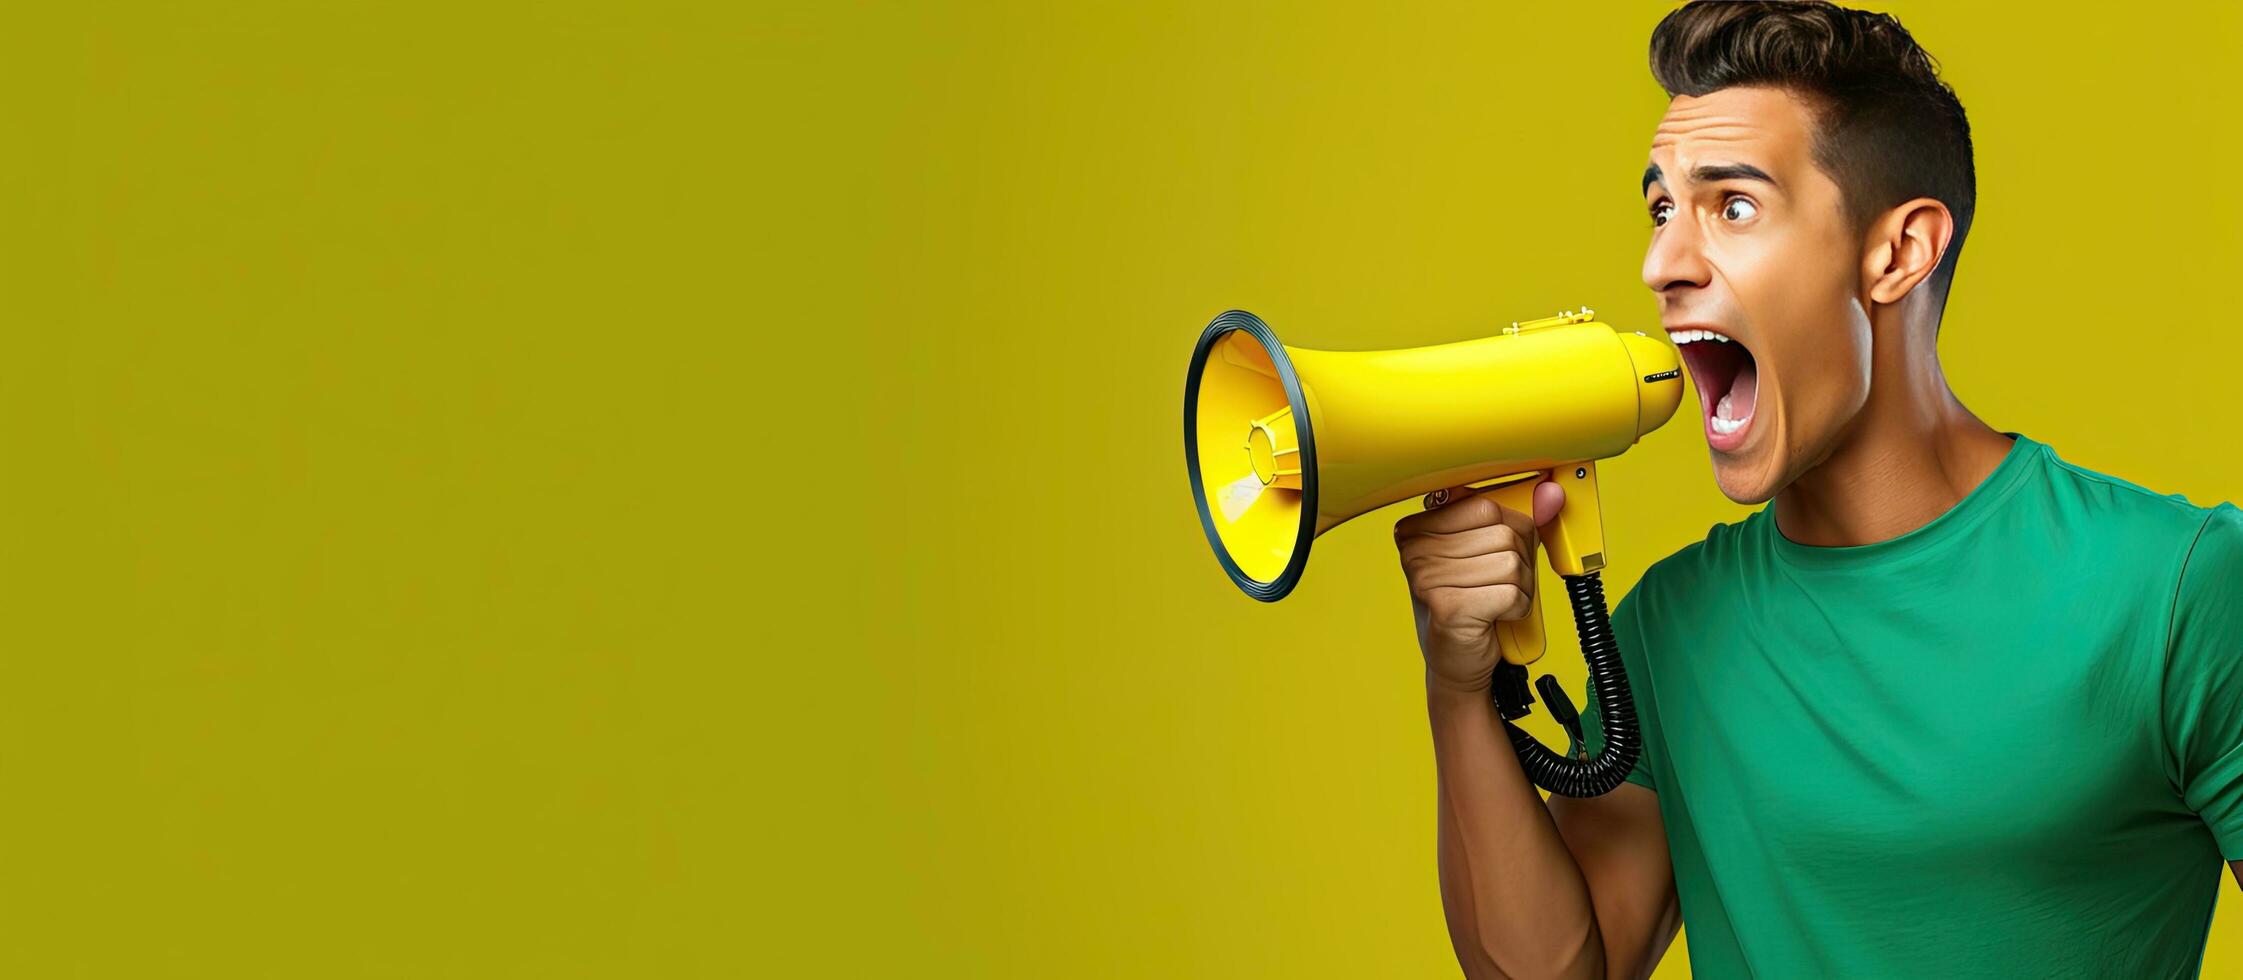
<point>1743,478</point>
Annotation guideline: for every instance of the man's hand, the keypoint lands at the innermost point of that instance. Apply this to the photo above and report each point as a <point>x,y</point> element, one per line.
<point>1470,563</point>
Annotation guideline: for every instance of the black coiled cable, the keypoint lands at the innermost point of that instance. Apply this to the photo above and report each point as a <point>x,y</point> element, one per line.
<point>1616,711</point>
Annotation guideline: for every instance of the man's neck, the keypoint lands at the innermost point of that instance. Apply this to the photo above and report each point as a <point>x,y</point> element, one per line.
<point>1912,453</point>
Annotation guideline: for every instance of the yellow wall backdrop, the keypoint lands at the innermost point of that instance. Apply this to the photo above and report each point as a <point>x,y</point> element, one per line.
<point>694,490</point>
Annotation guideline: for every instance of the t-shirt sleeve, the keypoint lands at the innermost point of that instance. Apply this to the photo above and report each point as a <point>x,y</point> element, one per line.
<point>1626,632</point>
<point>2203,682</point>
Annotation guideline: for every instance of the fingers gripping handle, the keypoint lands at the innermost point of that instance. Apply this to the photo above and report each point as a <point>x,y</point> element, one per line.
<point>1522,640</point>
<point>1573,544</point>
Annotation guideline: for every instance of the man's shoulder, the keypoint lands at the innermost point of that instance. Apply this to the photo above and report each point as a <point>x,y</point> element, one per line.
<point>2125,518</point>
<point>2118,502</point>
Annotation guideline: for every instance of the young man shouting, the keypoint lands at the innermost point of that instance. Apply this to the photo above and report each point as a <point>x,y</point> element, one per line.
<point>1950,706</point>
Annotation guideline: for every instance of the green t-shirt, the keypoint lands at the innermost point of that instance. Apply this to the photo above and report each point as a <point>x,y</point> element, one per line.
<point>2006,744</point>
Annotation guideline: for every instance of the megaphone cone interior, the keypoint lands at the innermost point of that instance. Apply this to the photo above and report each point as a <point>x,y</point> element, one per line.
<point>1247,444</point>
<point>1284,443</point>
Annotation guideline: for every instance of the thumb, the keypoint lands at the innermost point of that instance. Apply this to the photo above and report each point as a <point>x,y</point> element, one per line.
<point>1549,496</point>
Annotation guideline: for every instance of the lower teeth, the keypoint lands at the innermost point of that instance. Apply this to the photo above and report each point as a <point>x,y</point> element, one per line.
<point>1723,422</point>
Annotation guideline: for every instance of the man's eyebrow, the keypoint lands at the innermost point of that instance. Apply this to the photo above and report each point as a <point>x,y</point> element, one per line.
<point>1731,171</point>
<point>1709,173</point>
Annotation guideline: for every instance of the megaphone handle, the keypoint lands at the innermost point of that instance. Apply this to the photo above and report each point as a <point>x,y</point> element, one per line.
<point>1521,641</point>
<point>1572,542</point>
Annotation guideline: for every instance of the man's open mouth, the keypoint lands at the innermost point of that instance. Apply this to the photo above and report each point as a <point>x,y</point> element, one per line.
<point>1728,383</point>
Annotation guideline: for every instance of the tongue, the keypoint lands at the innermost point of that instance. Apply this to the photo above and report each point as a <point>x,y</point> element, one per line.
<point>1738,403</point>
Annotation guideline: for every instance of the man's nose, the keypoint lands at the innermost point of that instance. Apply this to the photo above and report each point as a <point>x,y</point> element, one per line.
<point>1675,260</point>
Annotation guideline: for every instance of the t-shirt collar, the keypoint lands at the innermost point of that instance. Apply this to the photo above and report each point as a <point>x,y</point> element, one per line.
<point>1975,505</point>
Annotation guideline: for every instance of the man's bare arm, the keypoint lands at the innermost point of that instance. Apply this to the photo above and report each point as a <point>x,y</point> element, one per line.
<point>1620,842</point>
<point>1571,887</point>
<point>1517,904</point>
<point>1516,887</point>
<point>2236,868</point>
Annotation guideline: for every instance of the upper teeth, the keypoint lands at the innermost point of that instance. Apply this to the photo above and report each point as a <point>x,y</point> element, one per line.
<point>1682,337</point>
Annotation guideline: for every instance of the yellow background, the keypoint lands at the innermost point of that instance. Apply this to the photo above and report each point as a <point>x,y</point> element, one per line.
<point>615,489</point>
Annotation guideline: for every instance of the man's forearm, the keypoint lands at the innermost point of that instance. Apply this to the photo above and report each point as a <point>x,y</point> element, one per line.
<point>1516,902</point>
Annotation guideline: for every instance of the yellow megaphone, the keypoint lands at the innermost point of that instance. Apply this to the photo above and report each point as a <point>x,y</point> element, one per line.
<point>1283,444</point>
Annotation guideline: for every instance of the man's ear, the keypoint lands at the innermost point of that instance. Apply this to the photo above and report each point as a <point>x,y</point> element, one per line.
<point>1904,246</point>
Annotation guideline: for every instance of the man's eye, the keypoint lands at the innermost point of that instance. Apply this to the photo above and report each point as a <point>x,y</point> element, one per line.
<point>1660,212</point>
<point>1738,209</point>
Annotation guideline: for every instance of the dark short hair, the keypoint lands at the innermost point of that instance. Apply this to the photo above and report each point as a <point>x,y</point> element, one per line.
<point>1888,129</point>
